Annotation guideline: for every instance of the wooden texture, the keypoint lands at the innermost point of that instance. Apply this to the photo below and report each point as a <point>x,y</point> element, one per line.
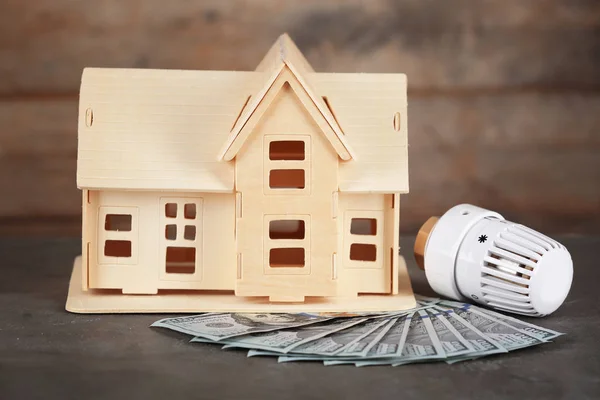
<point>503,95</point>
<point>146,270</point>
<point>111,302</point>
<point>286,113</point>
<point>147,156</point>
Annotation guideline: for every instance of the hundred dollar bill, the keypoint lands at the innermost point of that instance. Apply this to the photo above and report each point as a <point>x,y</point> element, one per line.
<point>481,344</point>
<point>541,333</point>
<point>510,338</point>
<point>451,340</point>
<point>356,349</point>
<point>420,343</point>
<point>286,340</point>
<point>335,343</point>
<point>361,347</point>
<point>391,343</point>
<point>531,329</point>
<point>227,325</point>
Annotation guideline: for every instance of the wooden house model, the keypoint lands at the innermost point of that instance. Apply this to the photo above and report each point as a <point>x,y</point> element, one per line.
<point>276,189</point>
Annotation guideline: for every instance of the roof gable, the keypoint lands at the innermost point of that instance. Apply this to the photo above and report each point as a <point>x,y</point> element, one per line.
<point>280,66</point>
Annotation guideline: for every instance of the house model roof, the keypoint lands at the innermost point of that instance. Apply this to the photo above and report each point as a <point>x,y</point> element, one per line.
<point>181,130</point>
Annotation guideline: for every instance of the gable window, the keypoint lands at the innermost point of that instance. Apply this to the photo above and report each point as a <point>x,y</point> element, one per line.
<point>287,150</point>
<point>287,164</point>
<point>117,235</point>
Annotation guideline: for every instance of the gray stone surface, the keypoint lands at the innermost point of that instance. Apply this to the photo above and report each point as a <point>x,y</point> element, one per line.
<point>48,353</point>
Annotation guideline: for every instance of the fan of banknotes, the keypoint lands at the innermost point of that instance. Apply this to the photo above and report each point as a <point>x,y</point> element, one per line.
<point>437,330</point>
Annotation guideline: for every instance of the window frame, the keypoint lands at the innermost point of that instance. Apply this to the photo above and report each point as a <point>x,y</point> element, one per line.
<point>377,239</point>
<point>269,244</point>
<point>130,236</point>
<point>180,222</point>
<point>269,165</point>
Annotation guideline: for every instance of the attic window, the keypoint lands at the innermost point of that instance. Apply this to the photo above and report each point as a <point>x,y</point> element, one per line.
<point>287,150</point>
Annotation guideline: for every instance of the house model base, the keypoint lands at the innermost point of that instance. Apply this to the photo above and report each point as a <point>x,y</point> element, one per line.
<point>101,301</point>
<point>277,189</point>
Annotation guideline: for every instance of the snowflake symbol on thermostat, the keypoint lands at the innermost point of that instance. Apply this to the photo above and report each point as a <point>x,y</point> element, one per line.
<point>482,238</point>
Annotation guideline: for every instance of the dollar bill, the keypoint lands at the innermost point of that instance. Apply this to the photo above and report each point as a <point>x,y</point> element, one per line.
<point>361,347</point>
<point>355,349</point>
<point>329,345</point>
<point>336,342</point>
<point>227,325</point>
<point>481,344</point>
<point>451,340</point>
<point>510,338</point>
<point>392,342</point>
<point>537,331</point>
<point>284,341</point>
<point>435,330</point>
<point>420,343</point>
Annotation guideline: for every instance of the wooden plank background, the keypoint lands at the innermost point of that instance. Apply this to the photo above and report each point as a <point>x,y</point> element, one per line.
<point>504,95</point>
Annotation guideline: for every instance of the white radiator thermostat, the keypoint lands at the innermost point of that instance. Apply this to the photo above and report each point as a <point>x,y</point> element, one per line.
<point>473,253</point>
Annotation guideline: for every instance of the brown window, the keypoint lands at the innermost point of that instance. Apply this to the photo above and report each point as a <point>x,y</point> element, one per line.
<point>189,232</point>
<point>117,248</point>
<point>171,232</point>
<point>189,211</point>
<point>287,150</point>
<point>171,210</point>
<point>287,257</point>
<point>363,226</point>
<point>287,229</point>
<point>117,235</point>
<point>117,222</point>
<point>364,243</point>
<point>287,242</point>
<point>287,179</point>
<point>363,252</point>
<point>181,260</point>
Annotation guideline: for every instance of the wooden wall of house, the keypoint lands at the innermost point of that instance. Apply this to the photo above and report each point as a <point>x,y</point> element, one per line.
<point>504,95</point>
